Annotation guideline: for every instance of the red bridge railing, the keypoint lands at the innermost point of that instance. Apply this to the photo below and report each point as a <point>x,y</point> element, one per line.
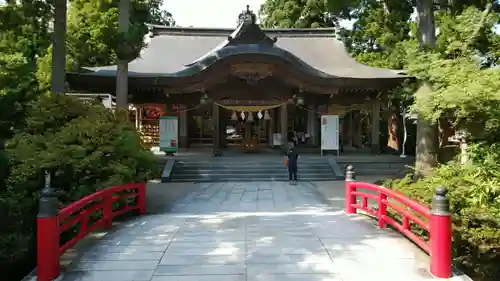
<point>85,215</point>
<point>436,221</point>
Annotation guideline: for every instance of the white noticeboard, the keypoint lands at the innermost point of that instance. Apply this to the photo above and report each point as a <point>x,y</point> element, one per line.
<point>169,134</point>
<point>330,133</point>
<point>277,140</point>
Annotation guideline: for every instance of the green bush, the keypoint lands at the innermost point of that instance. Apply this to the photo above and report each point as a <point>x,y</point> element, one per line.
<point>85,147</point>
<point>474,192</point>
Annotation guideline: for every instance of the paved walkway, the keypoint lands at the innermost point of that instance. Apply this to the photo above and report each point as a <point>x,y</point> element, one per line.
<point>250,232</point>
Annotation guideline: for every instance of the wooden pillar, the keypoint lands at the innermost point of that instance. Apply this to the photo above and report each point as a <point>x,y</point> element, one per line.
<point>312,125</point>
<point>222,129</point>
<point>140,119</point>
<point>316,127</point>
<point>375,130</point>
<point>270,128</point>
<point>357,128</point>
<point>273,124</point>
<point>284,125</point>
<point>216,124</point>
<point>137,121</point>
<point>183,127</point>
<point>349,131</point>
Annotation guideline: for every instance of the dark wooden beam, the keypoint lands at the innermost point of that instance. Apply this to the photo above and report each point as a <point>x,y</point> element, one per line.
<point>249,102</point>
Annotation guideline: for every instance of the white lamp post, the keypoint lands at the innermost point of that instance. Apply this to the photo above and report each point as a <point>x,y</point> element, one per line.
<point>409,116</point>
<point>405,135</point>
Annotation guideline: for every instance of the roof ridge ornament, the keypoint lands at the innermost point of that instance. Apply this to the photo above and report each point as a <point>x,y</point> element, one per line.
<point>247,17</point>
<point>248,31</point>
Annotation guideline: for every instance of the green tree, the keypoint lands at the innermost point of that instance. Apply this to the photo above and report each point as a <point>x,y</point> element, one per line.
<point>378,27</point>
<point>159,15</point>
<point>295,13</point>
<point>93,35</point>
<point>24,35</point>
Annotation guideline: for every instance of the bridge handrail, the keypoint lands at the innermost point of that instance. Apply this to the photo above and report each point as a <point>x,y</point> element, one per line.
<point>436,221</point>
<point>406,207</point>
<point>52,221</point>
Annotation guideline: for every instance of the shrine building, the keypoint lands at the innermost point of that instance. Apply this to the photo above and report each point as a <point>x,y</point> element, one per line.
<point>247,85</point>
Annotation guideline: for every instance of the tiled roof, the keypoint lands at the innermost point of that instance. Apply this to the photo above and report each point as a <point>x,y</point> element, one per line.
<point>171,51</point>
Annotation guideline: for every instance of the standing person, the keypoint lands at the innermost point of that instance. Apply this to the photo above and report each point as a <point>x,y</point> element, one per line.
<point>293,158</point>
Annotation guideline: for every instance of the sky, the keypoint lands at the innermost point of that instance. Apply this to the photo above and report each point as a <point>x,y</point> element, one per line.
<point>217,13</point>
<point>209,13</point>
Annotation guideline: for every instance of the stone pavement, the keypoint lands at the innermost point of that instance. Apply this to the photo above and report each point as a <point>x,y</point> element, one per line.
<point>249,232</point>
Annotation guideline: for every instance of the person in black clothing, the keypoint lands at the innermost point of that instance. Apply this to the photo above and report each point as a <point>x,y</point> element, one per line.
<point>293,158</point>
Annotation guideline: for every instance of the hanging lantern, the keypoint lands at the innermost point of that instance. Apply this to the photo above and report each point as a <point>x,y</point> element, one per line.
<point>204,99</point>
<point>242,115</point>
<point>250,117</point>
<point>233,116</point>
<point>259,114</point>
<point>300,100</point>
<point>266,115</point>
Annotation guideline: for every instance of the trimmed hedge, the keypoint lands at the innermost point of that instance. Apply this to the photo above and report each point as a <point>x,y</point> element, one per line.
<point>84,145</point>
<point>474,192</point>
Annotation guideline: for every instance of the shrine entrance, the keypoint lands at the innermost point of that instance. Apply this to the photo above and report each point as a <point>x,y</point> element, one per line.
<point>240,128</point>
<point>200,127</point>
<point>246,128</point>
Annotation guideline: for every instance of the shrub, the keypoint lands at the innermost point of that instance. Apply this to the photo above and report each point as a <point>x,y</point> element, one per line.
<point>474,192</point>
<point>85,147</point>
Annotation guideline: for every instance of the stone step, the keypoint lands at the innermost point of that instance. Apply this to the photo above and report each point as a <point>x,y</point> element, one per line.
<point>373,158</point>
<point>372,163</point>
<point>250,168</point>
<point>243,168</point>
<point>377,168</point>
<point>247,175</point>
<point>255,170</point>
<point>240,164</point>
<point>377,172</point>
<point>237,179</point>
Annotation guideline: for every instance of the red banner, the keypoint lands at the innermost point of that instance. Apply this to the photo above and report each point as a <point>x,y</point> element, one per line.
<point>153,111</point>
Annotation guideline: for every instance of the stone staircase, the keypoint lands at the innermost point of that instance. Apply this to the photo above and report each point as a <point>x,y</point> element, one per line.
<point>387,165</point>
<point>250,168</point>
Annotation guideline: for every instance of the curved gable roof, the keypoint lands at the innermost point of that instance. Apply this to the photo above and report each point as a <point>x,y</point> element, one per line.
<point>177,52</point>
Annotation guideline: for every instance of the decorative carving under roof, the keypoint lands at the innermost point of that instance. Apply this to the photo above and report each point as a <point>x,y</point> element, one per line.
<point>252,72</point>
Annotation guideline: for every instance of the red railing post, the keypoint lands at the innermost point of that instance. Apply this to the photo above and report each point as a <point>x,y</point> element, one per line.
<point>141,200</point>
<point>440,235</point>
<point>48,266</point>
<point>382,210</point>
<point>107,208</point>
<point>350,199</point>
